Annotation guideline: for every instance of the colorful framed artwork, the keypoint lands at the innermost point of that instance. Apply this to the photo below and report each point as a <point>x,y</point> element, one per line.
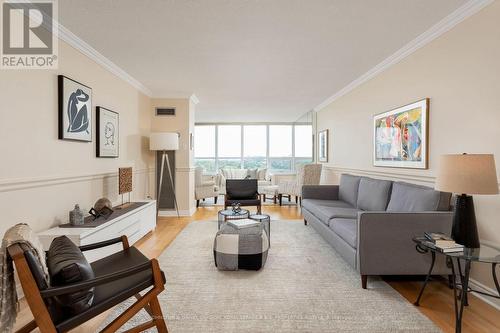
<point>323,146</point>
<point>108,133</point>
<point>75,110</point>
<point>400,136</point>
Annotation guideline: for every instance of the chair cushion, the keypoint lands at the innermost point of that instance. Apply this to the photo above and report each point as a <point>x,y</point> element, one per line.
<point>262,174</point>
<point>345,229</point>
<point>407,197</point>
<point>309,204</point>
<point>67,265</point>
<point>112,293</point>
<point>348,189</point>
<point>373,194</point>
<point>241,189</point>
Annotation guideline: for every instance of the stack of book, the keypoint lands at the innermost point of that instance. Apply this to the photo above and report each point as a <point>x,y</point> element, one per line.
<point>243,223</point>
<point>441,242</point>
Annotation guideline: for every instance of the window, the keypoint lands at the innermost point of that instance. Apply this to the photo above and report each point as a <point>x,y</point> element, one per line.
<point>280,141</point>
<point>204,141</point>
<point>303,141</point>
<point>229,141</point>
<point>254,146</point>
<point>279,148</point>
<point>204,148</point>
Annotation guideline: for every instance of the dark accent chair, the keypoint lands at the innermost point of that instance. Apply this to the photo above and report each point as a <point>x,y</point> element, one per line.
<point>117,277</point>
<point>243,191</point>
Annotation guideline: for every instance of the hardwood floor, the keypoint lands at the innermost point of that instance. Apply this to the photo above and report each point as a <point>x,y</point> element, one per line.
<point>437,303</point>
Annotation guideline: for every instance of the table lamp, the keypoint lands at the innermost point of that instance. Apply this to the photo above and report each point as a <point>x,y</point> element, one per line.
<point>463,175</point>
<point>163,142</point>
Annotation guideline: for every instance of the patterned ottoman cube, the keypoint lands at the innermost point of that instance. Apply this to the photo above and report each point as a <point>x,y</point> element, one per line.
<point>244,248</point>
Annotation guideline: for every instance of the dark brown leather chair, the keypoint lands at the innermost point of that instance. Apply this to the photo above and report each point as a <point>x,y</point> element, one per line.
<point>117,277</point>
<point>242,191</point>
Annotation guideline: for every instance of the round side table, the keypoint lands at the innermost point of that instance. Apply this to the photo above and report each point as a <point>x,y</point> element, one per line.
<point>266,221</point>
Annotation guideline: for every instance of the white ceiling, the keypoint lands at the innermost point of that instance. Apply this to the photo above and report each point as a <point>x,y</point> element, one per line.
<point>250,60</point>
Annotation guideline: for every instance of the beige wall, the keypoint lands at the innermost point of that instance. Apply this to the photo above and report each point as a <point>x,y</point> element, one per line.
<point>41,177</point>
<point>460,73</point>
<point>182,123</point>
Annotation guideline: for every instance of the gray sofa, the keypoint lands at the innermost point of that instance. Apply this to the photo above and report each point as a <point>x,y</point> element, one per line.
<point>371,222</point>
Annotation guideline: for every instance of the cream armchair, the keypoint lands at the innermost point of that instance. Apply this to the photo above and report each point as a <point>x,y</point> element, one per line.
<point>308,174</point>
<point>204,188</point>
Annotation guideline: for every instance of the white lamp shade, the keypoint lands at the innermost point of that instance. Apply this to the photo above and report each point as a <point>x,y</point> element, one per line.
<point>164,141</point>
<point>467,174</point>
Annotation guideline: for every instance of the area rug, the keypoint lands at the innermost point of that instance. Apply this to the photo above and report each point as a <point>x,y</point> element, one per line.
<point>304,287</point>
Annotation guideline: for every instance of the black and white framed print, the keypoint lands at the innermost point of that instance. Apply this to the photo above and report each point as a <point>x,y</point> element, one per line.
<point>75,110</point>
<point>108,133</point>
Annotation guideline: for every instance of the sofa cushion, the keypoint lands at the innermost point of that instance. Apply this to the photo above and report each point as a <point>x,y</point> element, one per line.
<point>407,197</point>
<point>67,265</point>
<point>348,189</point>
<point>234,173</point>
<point>345,229</point>
<point>373,194</point>
<point>325,213</point>
<point>262,174</point>
<point>310,203</point>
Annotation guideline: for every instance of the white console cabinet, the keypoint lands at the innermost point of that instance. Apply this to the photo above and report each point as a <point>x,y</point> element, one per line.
<point>135,224</point>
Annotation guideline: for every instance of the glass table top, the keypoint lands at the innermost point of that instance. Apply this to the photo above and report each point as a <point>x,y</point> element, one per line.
<point>230,212</point>
<point>487,253</point>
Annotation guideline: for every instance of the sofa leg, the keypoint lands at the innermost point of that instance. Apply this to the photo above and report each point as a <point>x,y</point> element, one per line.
<point>215,200</point>
<point>264,198</point>
<point>296,199</point>
<point>364,281</point>
<point>300,201</point>
<point>280,198</point>
<point>274,200</point>
<point>197,203</point>
<point>305,222</point>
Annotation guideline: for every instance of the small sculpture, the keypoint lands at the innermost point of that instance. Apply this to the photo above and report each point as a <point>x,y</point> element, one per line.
<point>236,207</point>
<point>76,216</point>
<point>102,207</point>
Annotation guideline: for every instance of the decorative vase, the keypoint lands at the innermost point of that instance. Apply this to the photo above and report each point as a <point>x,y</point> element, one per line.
<point>76,216</point>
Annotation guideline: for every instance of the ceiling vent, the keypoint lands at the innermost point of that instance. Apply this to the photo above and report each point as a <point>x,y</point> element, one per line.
<point>165,111</point>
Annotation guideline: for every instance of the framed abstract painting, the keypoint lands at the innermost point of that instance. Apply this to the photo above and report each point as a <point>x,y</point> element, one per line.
<point>108,133</point>
<point>75,110</point>
<point>400,136</point>
<point>323,146</point>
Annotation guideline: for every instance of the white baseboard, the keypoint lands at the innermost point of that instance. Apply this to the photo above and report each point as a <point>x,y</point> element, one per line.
<point>494,302</point>
<point>167,213</point>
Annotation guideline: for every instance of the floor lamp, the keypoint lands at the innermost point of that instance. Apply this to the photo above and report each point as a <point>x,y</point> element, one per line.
<point>163,142</point>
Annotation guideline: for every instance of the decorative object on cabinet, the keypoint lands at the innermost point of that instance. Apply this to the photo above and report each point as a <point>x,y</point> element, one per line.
<point>76,216</point>
<point>323,146</point>
<point>75,110</point>
<point>108,133</point>
<point>465,174</point>
<point>124,182</point>
<point>102,207</point>
<point>400,136</point>
<point>164,142</point>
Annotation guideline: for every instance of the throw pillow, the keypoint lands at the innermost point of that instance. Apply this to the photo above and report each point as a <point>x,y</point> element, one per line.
<point>67,264</point>
<point>262,174</point>
<point>252,174</point>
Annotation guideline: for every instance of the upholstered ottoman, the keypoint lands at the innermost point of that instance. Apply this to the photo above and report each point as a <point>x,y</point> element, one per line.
<point>244,248</point>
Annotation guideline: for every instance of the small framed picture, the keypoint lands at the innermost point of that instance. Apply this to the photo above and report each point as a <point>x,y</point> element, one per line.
<point>108,133</point>
<point>323,146</point>
<point>75,110</point>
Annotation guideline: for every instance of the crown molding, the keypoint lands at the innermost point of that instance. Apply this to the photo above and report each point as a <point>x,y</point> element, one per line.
<point>460,14</point>
<point>67,36</point>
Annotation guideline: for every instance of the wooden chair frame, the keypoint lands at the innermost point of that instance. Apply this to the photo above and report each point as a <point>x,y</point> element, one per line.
<point>40,312</point>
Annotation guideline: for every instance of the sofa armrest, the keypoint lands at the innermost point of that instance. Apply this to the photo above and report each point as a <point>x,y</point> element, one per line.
<point>323,192</point>
<point>385,245</point>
